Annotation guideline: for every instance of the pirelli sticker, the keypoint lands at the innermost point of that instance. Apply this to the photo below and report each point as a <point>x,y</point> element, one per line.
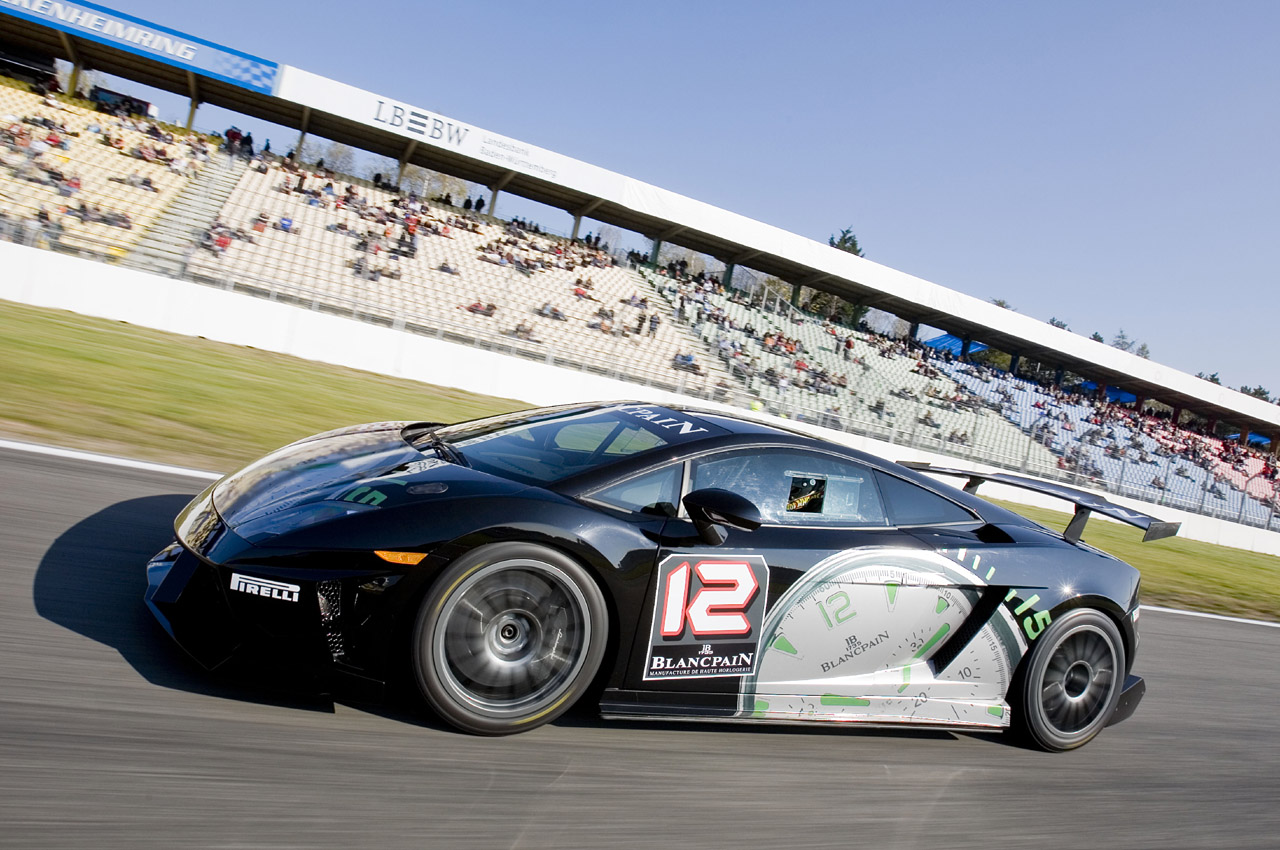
<point>265,588</point>
<point>707,616</point>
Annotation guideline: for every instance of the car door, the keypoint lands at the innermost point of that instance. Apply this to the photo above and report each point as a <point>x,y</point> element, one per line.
<point>921,636</point>
<point>707,603</point>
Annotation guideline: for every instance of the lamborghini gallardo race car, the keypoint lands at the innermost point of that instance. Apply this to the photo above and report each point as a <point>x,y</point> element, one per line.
<point>671,563</point>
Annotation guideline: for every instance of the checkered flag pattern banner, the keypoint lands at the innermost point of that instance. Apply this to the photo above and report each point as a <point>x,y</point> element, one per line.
<point>258,75</point>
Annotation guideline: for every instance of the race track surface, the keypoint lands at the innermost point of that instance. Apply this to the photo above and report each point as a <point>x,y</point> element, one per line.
<point>109,738</point>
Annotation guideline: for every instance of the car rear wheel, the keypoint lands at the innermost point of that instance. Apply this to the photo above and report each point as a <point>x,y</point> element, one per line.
<point>1072,681</point>
<point>508,638</point>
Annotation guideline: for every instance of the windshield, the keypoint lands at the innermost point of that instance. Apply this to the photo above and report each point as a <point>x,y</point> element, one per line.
<point>543,446</point>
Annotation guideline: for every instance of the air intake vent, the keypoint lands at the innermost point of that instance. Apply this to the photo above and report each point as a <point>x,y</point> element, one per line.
<point>329,595</point>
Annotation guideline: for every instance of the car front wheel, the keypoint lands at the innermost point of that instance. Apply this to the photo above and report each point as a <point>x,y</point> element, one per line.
<point>508,638</point>
<point>1072,680</point>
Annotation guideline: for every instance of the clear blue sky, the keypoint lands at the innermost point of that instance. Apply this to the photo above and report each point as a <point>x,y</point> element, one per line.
<point>1110,164</point>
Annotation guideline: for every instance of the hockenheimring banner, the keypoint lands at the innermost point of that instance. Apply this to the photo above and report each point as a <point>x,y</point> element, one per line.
<point>106,26</point>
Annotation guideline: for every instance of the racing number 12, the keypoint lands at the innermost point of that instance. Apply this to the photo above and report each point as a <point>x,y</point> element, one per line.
<point>718,608</point>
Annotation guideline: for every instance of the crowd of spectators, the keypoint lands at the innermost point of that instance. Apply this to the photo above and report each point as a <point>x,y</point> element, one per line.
<point>54,145</point>
<point>1103,443</point>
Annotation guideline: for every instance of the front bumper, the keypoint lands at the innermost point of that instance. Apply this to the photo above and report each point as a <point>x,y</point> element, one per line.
<point>220,597</point>
<point>187,599</point>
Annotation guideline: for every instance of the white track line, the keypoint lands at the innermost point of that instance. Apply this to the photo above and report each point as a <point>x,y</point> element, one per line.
<point>109,460</point>
<point>72,454</point>
<point>1222,617</point>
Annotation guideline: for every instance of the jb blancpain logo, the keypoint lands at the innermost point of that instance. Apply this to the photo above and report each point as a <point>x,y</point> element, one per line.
<point>265,587</point>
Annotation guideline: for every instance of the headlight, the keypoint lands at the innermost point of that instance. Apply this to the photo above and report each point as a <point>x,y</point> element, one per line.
<point>294,518</point>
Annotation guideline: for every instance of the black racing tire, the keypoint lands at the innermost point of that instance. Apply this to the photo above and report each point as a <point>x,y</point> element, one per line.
<point>1072,681</point>
<point>508,638</point>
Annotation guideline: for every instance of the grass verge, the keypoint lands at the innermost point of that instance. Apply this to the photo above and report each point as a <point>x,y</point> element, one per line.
<point>110,387</point>
<point>1183,573</point>
<point>115,388</point>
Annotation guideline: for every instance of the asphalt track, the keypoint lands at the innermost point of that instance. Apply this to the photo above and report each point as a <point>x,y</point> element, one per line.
<point>109,738</point>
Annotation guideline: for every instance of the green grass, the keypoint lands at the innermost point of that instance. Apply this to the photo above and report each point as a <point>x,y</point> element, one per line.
<point>1183,573</point>
<point>114,388</point>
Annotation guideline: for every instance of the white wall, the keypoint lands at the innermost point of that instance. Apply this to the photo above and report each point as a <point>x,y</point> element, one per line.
<point>45,279</point>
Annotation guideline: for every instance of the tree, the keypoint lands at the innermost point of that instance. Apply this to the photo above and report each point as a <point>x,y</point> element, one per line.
<point>777,286</point>
<point>1213,379</point>
<point>836,308</point>
<point>375,164</point>
<point>828,304</point>
<point>1121,341</point>
<point>846,241</point>
<point>1000,302</point>
<point>993,358</point>
<point>1143,351</point>
<point>340,158</point>
<point>432,184</point>
<point>1257,392</point>
<point>1058,323</point>
<point>1097,337</point>
<point>610,236</point>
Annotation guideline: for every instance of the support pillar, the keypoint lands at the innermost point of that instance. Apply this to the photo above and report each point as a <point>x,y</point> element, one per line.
<point>1014,362</point>
<point>795,294</point>
<point>914,331</point>
<point>1102,392</point>
<point>1177,416</point>
<point>964,348</point>
<point>728,275</point>
<point>73,84</point>
<point>496,188</point>
<point>1058,375</point>
<point>657,249</point>
<point>1244,437</point>
<point>191,114</point>
<point>302,134</point>
<point>1139,404</point>
<point>577,223</point>
<point>404,162</point>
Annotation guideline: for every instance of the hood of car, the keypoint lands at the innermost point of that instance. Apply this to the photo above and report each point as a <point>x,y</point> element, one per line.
<point>341,473</point>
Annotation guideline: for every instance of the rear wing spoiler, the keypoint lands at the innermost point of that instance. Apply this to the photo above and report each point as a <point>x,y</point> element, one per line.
<point>1086,503</point>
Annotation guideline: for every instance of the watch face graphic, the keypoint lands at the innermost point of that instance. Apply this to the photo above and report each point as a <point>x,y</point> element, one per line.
<point>855,638</point>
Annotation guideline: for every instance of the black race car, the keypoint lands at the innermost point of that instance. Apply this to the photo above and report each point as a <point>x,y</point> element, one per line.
<point>673,563</point>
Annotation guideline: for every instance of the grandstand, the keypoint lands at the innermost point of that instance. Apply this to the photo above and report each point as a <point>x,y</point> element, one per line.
<point>96,180</point>
<point>347,243</point>
<point>122,190</point>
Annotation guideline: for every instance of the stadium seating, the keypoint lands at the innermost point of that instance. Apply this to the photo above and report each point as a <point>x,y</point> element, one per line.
<point>355,254</point>
<point>873,385</point>
<point>80,180</point>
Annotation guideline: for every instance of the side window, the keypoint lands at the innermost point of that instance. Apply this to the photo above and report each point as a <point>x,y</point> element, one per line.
<point>795,487</point>
<point>911,504</point>
<point>655,489</point>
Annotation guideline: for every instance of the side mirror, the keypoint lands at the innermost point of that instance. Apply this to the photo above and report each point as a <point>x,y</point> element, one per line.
<point>712,508</point>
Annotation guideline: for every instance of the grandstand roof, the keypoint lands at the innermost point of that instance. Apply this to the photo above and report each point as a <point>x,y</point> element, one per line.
<point>118,44</point>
